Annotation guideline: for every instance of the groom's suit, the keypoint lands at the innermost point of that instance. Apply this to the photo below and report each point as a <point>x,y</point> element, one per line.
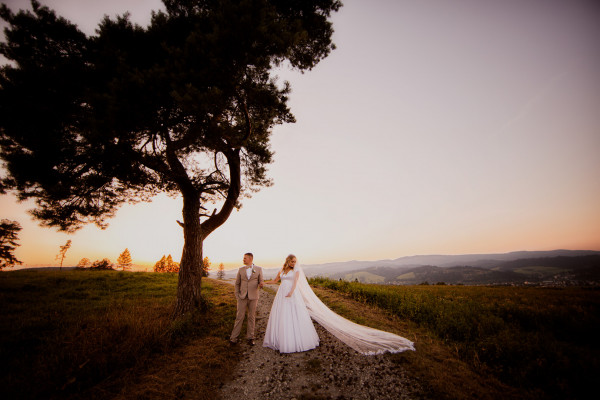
<point>247,292</point>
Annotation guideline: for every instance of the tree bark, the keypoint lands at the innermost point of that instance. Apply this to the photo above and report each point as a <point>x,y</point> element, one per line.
<point>190,268</point>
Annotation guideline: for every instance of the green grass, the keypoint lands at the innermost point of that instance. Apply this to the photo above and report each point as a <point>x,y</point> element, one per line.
<point>62,332</point>
<point>408,275</point>
<point>543,340</point>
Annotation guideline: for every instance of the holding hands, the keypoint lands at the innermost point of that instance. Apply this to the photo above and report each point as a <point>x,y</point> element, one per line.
<point>277,279</point>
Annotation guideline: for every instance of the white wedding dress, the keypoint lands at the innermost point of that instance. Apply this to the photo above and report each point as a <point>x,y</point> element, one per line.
<point>290,329</point>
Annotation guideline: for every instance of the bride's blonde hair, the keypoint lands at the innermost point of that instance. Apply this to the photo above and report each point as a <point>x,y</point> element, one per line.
<point>288,260</point>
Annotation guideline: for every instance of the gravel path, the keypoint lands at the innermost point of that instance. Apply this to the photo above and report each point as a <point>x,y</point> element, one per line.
<point>331,371</point>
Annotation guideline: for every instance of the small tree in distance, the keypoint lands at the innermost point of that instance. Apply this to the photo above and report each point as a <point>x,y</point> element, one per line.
<point>124,260</point>
<point>161,265</point>
<point>166,264</point>
<point>221,273</point>
<point>103,264</point>
<point>63,252</point>
<point>171,266</point>
<point>83,263</point>
<point>205,266</point>
<point>9,232</point>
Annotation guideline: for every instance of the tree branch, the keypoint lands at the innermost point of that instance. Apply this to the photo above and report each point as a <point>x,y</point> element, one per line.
<point>178,172</point>
<point>248,123</point>
<point>233,193</point>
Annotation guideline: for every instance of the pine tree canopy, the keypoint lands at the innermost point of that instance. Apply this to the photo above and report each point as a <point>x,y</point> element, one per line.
<point>184,106</point>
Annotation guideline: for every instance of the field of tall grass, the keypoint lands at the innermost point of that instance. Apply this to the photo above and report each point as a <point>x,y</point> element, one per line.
<point>64,332</point>
<point>543,340</point>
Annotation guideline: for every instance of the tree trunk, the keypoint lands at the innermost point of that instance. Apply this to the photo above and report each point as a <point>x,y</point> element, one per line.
<point>190,267</point>
<point>194,233</point>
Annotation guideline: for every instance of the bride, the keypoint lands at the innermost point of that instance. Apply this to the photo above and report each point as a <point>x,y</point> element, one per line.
<point>290,328</point>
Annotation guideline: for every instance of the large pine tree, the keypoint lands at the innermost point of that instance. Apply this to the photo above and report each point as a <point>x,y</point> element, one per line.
<point>184,106</point>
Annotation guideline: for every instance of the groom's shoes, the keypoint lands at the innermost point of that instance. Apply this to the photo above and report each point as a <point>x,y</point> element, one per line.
<point>251,342</point>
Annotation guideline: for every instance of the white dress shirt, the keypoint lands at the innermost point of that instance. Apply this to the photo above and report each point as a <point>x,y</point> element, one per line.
<point>249,271</point>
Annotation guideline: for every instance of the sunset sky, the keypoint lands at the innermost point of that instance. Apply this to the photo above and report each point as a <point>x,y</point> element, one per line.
<point>436,127</point>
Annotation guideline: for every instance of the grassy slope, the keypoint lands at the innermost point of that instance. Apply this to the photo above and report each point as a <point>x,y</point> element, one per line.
<point>73,330</point>
<point>542,341</point>
<point>364,277</point>
<point>437,366</point>
<point>84,334</point>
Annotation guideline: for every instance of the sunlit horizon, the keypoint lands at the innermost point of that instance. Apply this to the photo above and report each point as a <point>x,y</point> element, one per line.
<point>169,240</point>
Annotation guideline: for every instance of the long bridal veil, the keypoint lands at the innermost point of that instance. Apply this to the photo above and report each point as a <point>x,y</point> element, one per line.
<point>361,338</point>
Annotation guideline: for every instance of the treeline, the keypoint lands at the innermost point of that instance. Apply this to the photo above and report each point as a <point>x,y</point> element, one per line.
<point>166,264</point>
<point>124,262</point>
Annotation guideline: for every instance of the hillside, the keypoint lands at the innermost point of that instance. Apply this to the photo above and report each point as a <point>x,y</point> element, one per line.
<point>561,271</point>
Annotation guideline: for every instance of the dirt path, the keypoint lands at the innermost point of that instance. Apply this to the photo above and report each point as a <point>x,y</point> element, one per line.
<point>331,371</point>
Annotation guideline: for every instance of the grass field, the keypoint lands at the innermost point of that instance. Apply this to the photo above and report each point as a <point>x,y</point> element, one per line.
<point>543,341</point>
<point>64,332</point>
<point>106,334</point>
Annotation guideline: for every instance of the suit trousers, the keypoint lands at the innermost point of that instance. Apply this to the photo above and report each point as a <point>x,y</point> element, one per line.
<point>242,306</point>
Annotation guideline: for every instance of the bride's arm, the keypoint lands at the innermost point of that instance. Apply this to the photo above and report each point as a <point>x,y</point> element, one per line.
<point>296,275</point>
<point>274,280</point>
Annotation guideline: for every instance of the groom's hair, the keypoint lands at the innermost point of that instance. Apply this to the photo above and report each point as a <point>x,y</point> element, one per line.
<point>249,254</point>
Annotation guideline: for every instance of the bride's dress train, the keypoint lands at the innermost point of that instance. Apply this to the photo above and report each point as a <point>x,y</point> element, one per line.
<point>289,327</point>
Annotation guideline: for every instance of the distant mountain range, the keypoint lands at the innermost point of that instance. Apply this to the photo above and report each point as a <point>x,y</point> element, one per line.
<point>557,267</point>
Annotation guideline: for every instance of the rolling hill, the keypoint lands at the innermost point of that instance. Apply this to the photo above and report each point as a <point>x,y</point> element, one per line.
<point>561,270</point>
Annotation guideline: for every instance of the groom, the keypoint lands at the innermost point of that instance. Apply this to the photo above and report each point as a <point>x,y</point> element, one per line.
<point>248,281</point>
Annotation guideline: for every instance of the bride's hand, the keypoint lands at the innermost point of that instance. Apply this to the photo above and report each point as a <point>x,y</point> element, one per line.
<point>289,294</point>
